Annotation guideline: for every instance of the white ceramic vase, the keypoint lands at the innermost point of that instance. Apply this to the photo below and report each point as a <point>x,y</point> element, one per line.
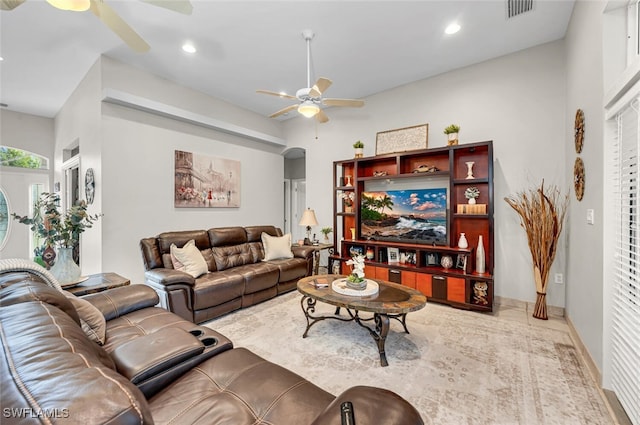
<point>480,257</point>
<point>65,269</point>
<point>462,242</point>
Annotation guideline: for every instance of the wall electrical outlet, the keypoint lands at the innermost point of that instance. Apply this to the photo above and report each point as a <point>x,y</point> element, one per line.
<point>559,278</point>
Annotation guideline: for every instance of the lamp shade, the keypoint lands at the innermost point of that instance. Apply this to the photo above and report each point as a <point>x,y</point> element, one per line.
<point>308,108</point>
<point>308,218</point>
<point>74,5</point>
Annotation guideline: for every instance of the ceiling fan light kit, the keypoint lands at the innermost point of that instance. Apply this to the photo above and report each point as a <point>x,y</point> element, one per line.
<point>73,5</point>
<point>310,97</point>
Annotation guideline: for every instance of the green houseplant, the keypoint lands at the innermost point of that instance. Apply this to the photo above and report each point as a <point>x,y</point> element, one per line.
<point>60,230</point>
<point>452,134</point>
<point>359,149</point>
<point>325,231</point>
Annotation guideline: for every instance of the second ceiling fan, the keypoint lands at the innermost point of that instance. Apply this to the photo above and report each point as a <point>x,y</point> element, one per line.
<point>310,98</point>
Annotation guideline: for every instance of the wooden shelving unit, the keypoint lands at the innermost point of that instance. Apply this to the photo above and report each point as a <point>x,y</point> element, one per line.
<point>419,265</point>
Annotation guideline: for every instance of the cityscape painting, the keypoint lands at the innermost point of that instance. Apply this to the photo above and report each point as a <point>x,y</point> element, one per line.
<point>203,181</point>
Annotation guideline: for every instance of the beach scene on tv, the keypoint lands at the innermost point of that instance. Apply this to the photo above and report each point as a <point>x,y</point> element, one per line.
<point>416,216</point>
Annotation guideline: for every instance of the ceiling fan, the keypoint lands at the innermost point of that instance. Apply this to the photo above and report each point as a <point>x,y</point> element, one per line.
<point>109,17</point>
<point>310,98</point>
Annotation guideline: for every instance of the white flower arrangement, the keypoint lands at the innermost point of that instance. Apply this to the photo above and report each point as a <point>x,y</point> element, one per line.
<point>357,268</point>
<point>348,197</point>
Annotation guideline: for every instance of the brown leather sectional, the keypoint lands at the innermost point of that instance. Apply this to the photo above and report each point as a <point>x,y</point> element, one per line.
<point>237,275</point>
<point>154,367</point>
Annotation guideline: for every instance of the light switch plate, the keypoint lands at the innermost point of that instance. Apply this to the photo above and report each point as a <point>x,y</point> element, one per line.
<point>590,216</point>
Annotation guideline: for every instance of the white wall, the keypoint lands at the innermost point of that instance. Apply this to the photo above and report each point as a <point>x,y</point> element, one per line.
<point>33,134</point>
<point>136,178</point>
<point>585,253</point>
<point>518,101</point>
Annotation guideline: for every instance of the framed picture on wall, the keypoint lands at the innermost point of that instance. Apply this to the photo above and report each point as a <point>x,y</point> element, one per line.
<point>203,181</point>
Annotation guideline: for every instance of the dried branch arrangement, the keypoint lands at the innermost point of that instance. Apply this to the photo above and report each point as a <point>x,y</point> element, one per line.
<point>542,212</point>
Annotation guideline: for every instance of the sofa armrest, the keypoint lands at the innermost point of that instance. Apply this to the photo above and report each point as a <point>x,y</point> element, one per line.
<point>149,355</point>
<point>302,251</point>
<point>371,406</point>
<point>168,277</point>
<point>120,301</point>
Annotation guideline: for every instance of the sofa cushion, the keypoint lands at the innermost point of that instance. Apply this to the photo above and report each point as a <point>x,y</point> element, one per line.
<point>258,276</point>
<point>92,320</point>
<point>254,233</point>
<point>227,257</point>
<point>188,259</point>
<point>290,268</point>
<point>240,388</point>
<point>225,236</point>
<point>276,247</point>
<point>217,288</point>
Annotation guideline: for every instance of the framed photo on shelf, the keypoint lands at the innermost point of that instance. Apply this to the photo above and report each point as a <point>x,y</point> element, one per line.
<point>433,259</point>
<point>356,250</point>
<point>461,262</point>
<point>393,255</point>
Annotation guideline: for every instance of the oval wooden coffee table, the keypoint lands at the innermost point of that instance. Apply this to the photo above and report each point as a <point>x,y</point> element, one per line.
<point>392,301</point>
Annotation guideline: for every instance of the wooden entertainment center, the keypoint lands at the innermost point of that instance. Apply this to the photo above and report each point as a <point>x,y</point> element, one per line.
<point>418,262</point>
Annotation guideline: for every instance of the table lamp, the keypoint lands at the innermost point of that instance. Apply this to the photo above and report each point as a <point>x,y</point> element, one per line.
<point>308,219</point>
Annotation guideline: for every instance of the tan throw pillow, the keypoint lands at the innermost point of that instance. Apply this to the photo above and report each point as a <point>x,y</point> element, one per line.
<point>92,320</point>
<point>276,247</point>
<point>188,259</point>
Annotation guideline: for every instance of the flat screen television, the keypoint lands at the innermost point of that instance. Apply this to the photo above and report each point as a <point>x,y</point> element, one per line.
<point>408,210</point>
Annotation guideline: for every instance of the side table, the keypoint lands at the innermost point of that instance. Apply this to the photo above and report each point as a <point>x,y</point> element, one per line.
<point>316,254</point>
<point>99,282</point>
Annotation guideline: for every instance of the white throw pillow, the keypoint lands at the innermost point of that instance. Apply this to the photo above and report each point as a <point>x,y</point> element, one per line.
<point>276,247</point>
<point>188,259</point>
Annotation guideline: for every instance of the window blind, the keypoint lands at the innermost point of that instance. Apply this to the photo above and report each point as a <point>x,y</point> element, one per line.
<point>625,347</point>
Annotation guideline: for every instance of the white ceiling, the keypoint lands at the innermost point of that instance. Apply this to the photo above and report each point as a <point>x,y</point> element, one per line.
<point>365,47</point>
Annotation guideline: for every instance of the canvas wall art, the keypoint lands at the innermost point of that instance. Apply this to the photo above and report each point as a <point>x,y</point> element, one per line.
<point>203,181</point>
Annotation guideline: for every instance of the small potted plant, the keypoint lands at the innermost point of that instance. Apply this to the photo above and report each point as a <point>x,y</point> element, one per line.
<point>325,231</point>
<point>359,149</point>
<point>452,134</point>
<point>471,194</point>
<point>356,279</point>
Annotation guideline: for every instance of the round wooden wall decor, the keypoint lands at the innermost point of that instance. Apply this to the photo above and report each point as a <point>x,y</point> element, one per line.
<point>579,130</point>
<point>578,178</point>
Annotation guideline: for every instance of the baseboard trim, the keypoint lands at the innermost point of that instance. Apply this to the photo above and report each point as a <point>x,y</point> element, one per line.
<point>528,306</point>
<point>617,414</point>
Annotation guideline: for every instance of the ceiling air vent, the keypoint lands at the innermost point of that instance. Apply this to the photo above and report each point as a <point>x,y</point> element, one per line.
<point>518,7</point>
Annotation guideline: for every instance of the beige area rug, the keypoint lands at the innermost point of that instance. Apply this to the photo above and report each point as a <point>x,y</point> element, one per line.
<point>456,367</point>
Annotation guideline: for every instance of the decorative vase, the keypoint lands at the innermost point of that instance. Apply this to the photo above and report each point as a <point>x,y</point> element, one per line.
<point>353,233</point>
<point>370,254</point>
<point>65,269</point>
<point>470,170</point>
<point>472,201</point>
<point>348,179</point>
<point>462,242</point>
<point>348,208</point>
<point>359,152</point>
<point>446,262</point>
<point>480,260</point>
<point>452,139</point>
<point>358,286</point>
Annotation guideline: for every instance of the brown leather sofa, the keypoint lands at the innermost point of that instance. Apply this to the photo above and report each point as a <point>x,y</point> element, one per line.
<point>153,368</point>
<point>237,275</point>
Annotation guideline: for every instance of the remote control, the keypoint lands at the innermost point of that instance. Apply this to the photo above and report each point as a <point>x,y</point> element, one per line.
<point>346,411</point>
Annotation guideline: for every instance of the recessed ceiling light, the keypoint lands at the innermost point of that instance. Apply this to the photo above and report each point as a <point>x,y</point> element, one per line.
<point>452,28</point>
<point>189,48</point>
<point>1,58</point>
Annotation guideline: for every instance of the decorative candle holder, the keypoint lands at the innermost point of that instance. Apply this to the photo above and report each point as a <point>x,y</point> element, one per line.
<point>470,170</point>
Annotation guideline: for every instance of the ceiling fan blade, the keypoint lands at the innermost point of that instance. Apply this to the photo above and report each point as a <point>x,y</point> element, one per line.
<point>272,93</point>
<point>354,103</point>
<point>180,6</point>
<point>321,117</point>
<point>283,111</point>
<point>10,4</point>
<point>111,19</point>
<point>319,87</point>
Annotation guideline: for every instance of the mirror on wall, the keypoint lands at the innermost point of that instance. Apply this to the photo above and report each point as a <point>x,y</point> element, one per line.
<point>4,219</point>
